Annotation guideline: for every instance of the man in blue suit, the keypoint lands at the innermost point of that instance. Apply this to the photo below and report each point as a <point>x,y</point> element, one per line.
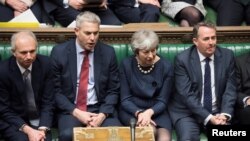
<point>189,108</point>
<point>102,87</point>
<point>15,106</point>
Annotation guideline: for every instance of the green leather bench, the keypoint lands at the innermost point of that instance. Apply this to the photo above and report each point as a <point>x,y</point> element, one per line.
<point>123,50</point>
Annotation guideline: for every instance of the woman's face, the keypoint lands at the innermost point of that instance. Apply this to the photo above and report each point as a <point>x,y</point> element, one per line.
<point>146,57</point>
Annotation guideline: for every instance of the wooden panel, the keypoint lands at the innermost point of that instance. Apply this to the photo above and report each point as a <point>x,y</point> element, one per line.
<point>122,34</point>
<point>112,134</point>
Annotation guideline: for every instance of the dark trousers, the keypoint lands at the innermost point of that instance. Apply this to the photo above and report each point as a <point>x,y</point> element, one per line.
<point>12,133</point>
<point>229,12</point>
<point>143,13</point>
<point>66,123</point>
<point>67,15</point>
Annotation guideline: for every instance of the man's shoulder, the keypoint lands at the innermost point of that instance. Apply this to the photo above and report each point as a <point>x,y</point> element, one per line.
<point>186,53</point>
<point>64,45</point>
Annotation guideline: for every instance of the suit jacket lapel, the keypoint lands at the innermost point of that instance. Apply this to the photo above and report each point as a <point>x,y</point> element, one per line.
<point>72,63</point>
<point>16,73</point>
<point>196,66</point>
<point>248,65</point>
<point>97,65</point>
<point>217,70</point>
<point>35,77</point>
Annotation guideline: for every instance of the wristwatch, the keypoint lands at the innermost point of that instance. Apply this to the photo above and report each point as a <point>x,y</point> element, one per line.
<point>43,128</point>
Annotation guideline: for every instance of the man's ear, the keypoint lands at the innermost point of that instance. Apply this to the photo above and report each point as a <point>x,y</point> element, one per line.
<point>195,41</point>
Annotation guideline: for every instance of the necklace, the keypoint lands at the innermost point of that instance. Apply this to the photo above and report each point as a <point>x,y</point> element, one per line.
<point>145,71</point>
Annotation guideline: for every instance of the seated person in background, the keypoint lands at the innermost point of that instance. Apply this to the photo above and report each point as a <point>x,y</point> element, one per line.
<point>205,85</point>
<point>26,92</point>
<point>146,85</point>
<point>12,8</point>
<point>185,12</point>
<point>229,12</point>
<point>242,111</point>
<point>86,78</point>
<point>65,11</point>
<point>137,11</point>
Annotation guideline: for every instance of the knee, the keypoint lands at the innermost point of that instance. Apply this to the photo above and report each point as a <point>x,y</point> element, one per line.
<point>66,135</point>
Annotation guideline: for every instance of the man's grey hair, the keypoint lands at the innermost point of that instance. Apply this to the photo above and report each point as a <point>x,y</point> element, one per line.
<point>87,16</point>
<point>20,34</point>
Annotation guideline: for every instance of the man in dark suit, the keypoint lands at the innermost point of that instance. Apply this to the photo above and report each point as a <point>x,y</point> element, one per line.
<point>27,115</point>
<point>242,111</point>
<point>102,84</point>
<point>136,11</point>
<point>201,100</point>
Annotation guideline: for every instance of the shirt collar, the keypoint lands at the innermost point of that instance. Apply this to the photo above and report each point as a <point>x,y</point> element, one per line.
<point>22,69</point>
<point>202,57</point>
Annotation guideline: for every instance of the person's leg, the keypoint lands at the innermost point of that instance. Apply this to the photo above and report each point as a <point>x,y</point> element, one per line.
<point>8,13</point>
<point>149,13</point>
<point>13,134</point>
<point>127,14</point>
<point>230,13</point>
<point>66,123</point>
<point>243,115</point>
<point>163,134</point>
<point>225,15</point>
<point>189,16</point>
<point>247,13</point>
<point>107,17</point>
<point>187,129</point>
<point>65,16</point>
<point>36,8</point>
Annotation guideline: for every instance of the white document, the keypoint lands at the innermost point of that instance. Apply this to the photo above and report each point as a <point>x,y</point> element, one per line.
<point>72,25</point>
<point>26,16</point>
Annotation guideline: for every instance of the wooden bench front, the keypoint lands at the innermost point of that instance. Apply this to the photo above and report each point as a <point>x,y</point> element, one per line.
<point>112,134</point>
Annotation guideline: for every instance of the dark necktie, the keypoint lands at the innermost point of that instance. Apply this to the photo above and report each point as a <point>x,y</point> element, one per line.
<point>32,110</point>
<point>207,87</point>
<point>81,102</point>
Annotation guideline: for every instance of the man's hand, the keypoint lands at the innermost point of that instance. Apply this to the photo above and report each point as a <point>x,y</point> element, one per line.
<point>83,116</point>
<point>153,2</point>
<point>77,4</point>
<point>97,120</point>
<point>33,134</point>
<point>17,5</point>
<point>219,119</point>
<point>248,102</point>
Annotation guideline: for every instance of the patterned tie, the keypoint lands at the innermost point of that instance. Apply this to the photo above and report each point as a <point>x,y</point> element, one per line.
<point>32,110</point>
<point>81,102</point>
<point>207,101</point>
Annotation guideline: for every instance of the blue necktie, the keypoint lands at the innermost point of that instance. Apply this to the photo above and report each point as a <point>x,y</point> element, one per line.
<point>207,101</point>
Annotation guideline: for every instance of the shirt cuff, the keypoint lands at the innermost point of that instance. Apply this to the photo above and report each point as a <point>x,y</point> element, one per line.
<point>245,101</point>
<point>65,3</point>
<point>44,128</point>
<point>2,2</point>
<point>207,119</point>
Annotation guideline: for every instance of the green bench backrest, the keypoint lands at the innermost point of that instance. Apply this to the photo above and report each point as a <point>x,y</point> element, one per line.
<point>168,51</point>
